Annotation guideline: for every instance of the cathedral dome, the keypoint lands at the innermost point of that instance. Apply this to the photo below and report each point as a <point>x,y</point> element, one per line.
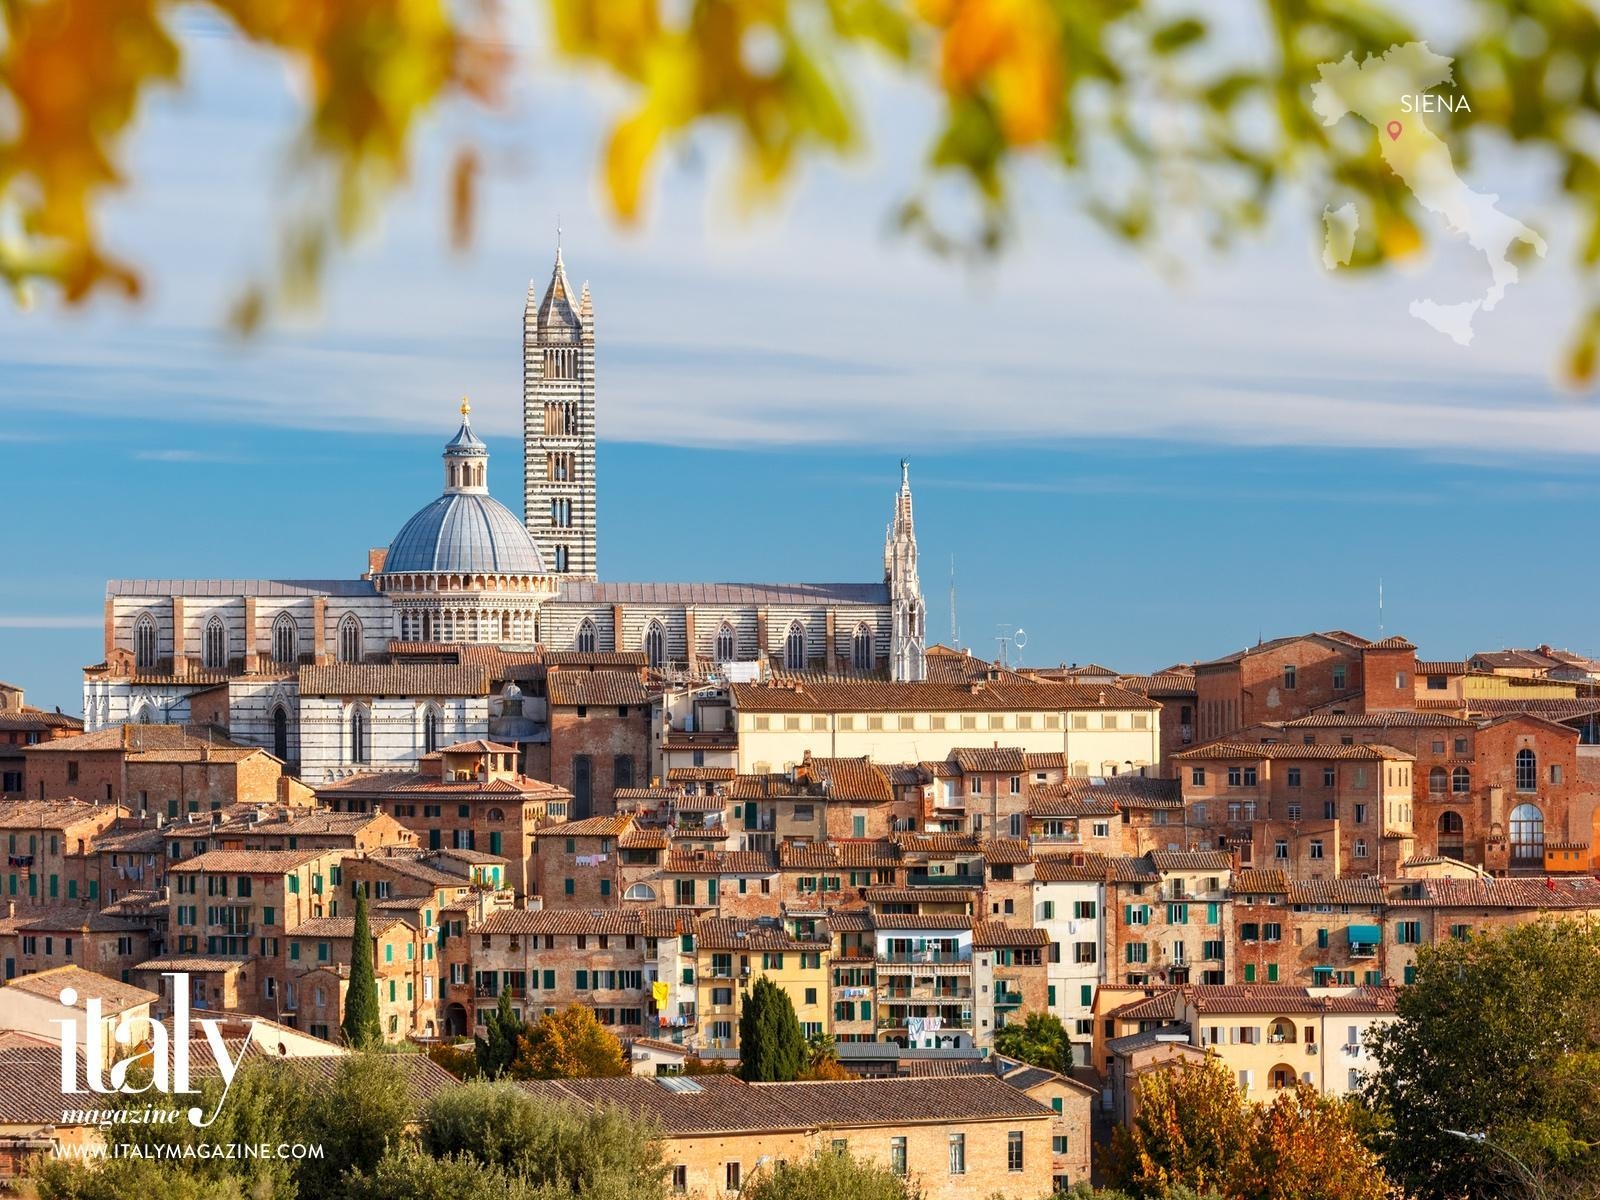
<point>467,533</point>
<point>466,530</point>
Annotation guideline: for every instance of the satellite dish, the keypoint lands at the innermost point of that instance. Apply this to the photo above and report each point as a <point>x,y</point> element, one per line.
<point>1020,639</point>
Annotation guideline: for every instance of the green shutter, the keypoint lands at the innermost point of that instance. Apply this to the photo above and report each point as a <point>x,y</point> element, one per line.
<point>1272,972</point>
<point>1249,972</point>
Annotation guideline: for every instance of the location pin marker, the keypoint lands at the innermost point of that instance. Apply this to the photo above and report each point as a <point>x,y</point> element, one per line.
<point>1394,130</point>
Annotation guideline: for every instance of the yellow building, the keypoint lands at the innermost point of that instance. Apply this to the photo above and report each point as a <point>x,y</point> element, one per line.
<point>731,954</point>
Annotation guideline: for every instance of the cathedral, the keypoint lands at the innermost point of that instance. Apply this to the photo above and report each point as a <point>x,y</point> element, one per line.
<point>341,676</point>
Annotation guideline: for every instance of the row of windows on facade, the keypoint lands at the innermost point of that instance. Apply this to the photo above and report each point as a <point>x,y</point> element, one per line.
<point>1526,829</point>
<point>936,721</point>
<point>1459,779</point>
<point>795,647</point>
<point>451,625</point>
<point>214,641</point>
<point>899,1163</point>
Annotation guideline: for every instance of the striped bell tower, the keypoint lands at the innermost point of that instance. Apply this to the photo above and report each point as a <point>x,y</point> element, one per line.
<point>558,470</point>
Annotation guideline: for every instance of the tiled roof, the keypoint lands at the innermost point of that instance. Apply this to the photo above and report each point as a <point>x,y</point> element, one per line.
<point>34,718</point>
<point>1048,760</point>
<point>851,920</point>
<point>1336,891</point>
<point>938,843</point>
<point>1552,709</point>
<point>1392,643</point>
<point>1270,998</point>
<point>1217,751</point>
<point>1175,1034</point>
<point>1055,800</point>
<point>32,1094</point>
<point>1129,869</point>
<point>1191,860</point>
<point>725,933</point>
<point>700,774</point>
<point>823,856</point>
<point>601,689</point>
<point>643,839</point>
<point>919,895</point>
<point>645,922</point>
<point>341,927</point>
<point>1162,1006</point>
<point>721,862</point>
<point>1336,636</point>
<point>1162,685</point>
<point>1009,760</point>
<point>774,786</point>
<point>71,918</point>
<point>50,814</point>
<point>1062,869</point>
<point>881,696</point>
<point>141,738</point>
<point>724,1104</point>
<point>476,746</point>
<point>113,995</point>
<point>595,658</point>
<point>249,862</point>
<point>394,679</point>
<point>998,933</point>
<point>1512,892</point>
<point>1127,791</point>
<point>1260,882</point>
<point>1441,668</point>
<point>590,827</point>
<point>195,964</point>
<point>227,589</point>
<point>922,921</point>
<point>1007,852</point>
<point>853,779</point>
<point>405,783</point>
<point>1403,719</point>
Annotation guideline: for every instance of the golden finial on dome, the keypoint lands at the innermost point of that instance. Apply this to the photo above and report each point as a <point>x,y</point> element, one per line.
<point>466,407</point>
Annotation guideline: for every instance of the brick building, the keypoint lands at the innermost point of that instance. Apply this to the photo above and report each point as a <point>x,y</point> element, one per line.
<point>1279,680</point>
<point>48,845</point>
<point>600,736</point>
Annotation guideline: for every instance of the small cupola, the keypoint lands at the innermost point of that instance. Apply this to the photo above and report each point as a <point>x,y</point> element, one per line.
<point>466,459</point>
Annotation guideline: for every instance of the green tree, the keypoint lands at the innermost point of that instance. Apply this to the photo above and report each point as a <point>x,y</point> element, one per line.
<point>407,1175</point>
<point>577,1151</point>
<point>1191,1127</point>
<point>1306,1144</point>
<point>822,1059</point>
<point>1041,1039</point>
<point>355,1117</point>
<point>1498,1038</point>
<point>361,1026</point>
<point>771,1046</point>
<point>570,1044</point>
<point>497,1048</point>
<point>827,1175</point>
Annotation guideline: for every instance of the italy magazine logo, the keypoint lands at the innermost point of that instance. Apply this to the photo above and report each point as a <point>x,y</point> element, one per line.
<point>167,1056</point>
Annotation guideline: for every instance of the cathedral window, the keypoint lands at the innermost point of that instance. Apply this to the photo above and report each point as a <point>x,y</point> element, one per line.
<point>430,730</point>
<point>214,651</point>
<point>655,644</point>
<point>561,558</point>
<point>285,639</point>
<point>794,648</point>
<point>147,715</point>
<point>144,642</point>
<point>280,733</point>
<point>861,648</point>
<point>586,637</point>
<point>727,643</point>
<point>350,639</point>
<point>359,735</point>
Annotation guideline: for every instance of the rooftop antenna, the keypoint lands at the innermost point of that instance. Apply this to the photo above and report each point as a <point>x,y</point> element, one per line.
<point>1008,637</point>
<point>955,627</point>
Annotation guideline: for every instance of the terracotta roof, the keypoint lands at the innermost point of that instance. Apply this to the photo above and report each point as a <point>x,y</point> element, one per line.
<point>1337,637</point>
<point>394,679</point>
<point>997,933</point>
<point>938,843</point>
<point>851,920</point>
<point>1337,891</point>
<point>590,827</point>
<point>1260,882</point>
<point>919,895</point>
<point>986,695</point>
<point>1055,800</point>
<point>922,921</point>
<point>195,964</point>
<point>598,688</point>
<point>721,862</point>
<point>596,658</point>
<point>71,918</point>
<point>853,779</point>
<point>404,783</point>
<point>113,995</point>
<point>1191,860</point>
<point>1007,852</point>
<point>1555,709</point>
<point>1510,892</point>
<point>142,738</point>
<point>1391,643</point>
<point>1441,668</point>
<point>823,856</point>
<point>34,718</point>
<point>1048,760</point>
<point>1062,869</point>
<point>700,774</point>
<point>249,862</point>
<point>725,933</point>
<point>1129,869</point>
<point>724,1104</point>
<point>984,759</point>
<point>1271,998</point>
<point>1291,751</point>
<point>51,814</point>
<point>561,922</point>
<point>1162,1006</point>
<point>341,927</point>
<point>1127,791</point>
<point>1163,685</point>
<point>1384,720</point>
<point>644,839</point>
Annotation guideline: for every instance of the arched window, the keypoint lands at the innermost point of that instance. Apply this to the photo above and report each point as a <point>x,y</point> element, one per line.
<point>1527,829</point>
<point>727,643</point>
<point>1436,781</point>
<point>1452,834</point>
<point>587,639</point>
<point>280,734</point>
<point>1460,781</point>
<point>655,644</point>
<point>861,648</point>
<point>147,715</point>
<point>214,650</point>
<point>430,730</point>
<point>144,641</point>
<point>285,639</point>
<point>1527,771</point>
<point>640,891</point>
<point>350,639</point>
<point>359,735</point>
<point>794,648</point>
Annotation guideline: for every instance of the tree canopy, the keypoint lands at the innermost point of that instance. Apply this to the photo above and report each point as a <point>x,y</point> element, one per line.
<point>827,1175</point>
<point>1159,119</point>
<point>1498,1040</point>
<point>1040,1039</point>
<point>566,1045</point>
<point>771,1045</point>
<point>495,1051</point>
<point>361,1026</point>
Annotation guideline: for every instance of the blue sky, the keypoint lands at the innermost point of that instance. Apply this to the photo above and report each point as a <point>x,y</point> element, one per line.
<point>1135,468</point>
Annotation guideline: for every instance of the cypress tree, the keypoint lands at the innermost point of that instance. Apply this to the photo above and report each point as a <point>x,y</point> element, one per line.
<point>771,1046</point>
<point>361,1027</point>
<point>497,1049</point>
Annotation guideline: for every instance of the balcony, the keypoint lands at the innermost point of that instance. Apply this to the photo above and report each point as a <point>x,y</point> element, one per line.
<point>926,879</point>
<point>946,1024</point>
<point>1007,999</point>
<point>1057,838</point>
<point>933,958</point>
<point>926,995</point>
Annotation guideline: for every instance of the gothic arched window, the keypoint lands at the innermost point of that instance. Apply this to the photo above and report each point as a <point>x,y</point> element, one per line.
<point>861,648</point>
<point>360,735</point>
<point>794,648</point>
<point>350,639</point>
<point>587,638</point>
<point>1527,771</point>
<point>727,643</point>
<point>285,639</point>
<point>144,641</point>
<point>430,730</point>
<point>280,734</point>
<point>214,650</point>
<point>655,644</point>
<point>147,715</point>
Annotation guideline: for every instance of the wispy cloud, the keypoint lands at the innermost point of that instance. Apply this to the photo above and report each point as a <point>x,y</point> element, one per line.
<point>25,621</point>
<point>187,456</point>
